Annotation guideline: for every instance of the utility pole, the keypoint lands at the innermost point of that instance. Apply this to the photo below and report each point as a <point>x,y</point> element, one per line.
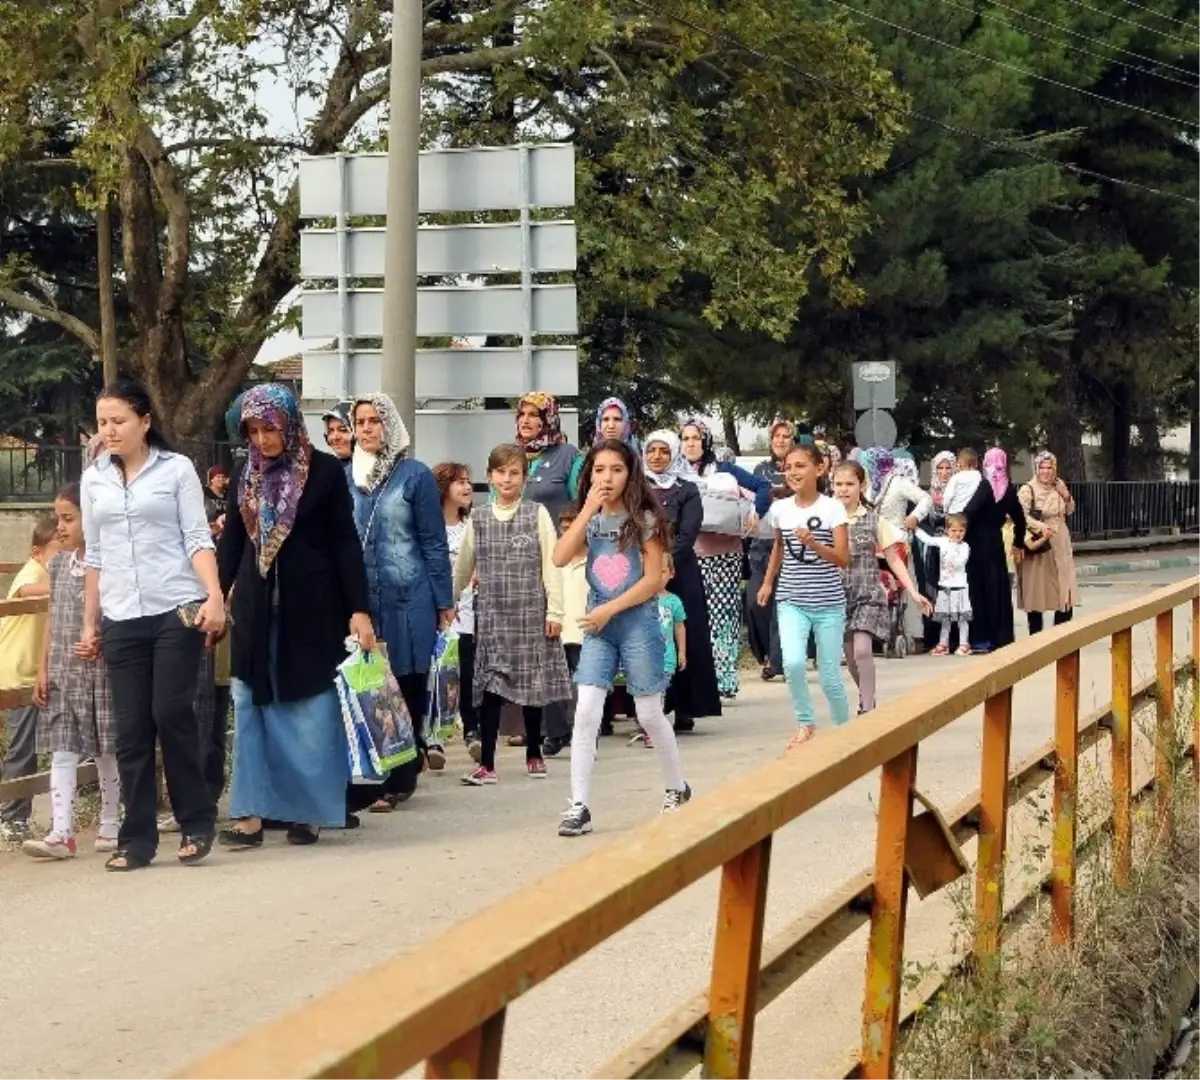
<point>399,368</point>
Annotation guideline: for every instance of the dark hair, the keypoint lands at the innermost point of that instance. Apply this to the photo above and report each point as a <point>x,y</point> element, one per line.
<point>567,516</point>
<point>134,395</point>
<point>860,474</point>
<point>505,454</point>
<point>638,499</point>
<point>968,458</point>
<point>44,531</point>
<point>446,473</point>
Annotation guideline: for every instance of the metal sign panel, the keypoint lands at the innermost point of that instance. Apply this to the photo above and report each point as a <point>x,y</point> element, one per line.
<point>875,428</point>
<point>448,374</point>
<point>487,178</point>
<point>451,249</point>
<point>874,385</point>
<point>444,310</point>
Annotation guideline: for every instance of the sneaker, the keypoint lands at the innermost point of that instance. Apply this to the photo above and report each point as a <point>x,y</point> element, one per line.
<point>436,757</point>
<point>553,747</point>
<point>637,738</point>
<point>576,821</point>
<point>474,747</point>
<point>168,824</point>
<point>105,843</point>
<point>479,777</point>
<point>14,832</point>
<point>52,847</point>
<point>673,800</point>
<point>536,768</point>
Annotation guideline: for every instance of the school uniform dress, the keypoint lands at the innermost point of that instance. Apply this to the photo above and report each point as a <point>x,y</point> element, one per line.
<point>866,600</point>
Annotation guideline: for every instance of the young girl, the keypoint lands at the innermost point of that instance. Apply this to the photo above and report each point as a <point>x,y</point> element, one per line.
<point>622,525</point>
<point>72,690</point>
<point>953,598</point>
<point>871,538</point>
<point>457,493</point>
<point>811,550</point>
<point>518,612</point>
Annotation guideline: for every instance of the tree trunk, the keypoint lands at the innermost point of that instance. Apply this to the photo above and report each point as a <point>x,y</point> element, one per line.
<point>730,430</point>
<point>104,273</point>
<point>1194,440</point>
<point>1122,424</point>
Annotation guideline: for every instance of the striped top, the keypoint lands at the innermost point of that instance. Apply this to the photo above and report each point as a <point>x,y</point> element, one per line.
<point>805,579</point>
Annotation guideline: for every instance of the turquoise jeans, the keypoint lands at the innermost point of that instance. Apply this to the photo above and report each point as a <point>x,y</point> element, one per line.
<point>828,626</point>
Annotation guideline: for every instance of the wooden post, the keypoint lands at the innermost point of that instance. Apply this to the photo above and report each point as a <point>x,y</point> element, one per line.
<point>474,1056</point>
<point>1164,729</point>
<point>885,945</point>
<point>1122,754</point>
<point>993,817</point>
<point>1066,780</point>
<point>737,956</point>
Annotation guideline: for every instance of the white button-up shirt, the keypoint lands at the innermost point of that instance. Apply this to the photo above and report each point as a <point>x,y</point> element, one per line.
<point>142,536</point>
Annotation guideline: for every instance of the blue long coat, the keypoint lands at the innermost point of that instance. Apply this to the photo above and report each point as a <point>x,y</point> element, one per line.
<point>407,561</point>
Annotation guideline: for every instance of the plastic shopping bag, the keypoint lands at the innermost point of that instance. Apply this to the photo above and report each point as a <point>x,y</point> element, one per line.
<point>726,510</point>
<point>442,691</point>
<point>381,713</point>
<point>362,760</point>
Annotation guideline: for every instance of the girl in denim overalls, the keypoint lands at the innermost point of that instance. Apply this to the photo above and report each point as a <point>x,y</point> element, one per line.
<point>622,526</point>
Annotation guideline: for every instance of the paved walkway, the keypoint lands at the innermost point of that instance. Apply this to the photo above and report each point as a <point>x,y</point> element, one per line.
<point>104,975</point>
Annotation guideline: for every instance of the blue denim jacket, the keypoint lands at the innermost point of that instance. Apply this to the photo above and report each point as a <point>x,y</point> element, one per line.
<point>408,562</point>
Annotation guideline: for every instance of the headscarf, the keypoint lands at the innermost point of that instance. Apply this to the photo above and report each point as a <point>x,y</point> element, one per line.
<point>626,435</point>
<point>93,449</point>
<point>551,433</point>
<point>669,477</point>
<point>725,455</point>
<point>855,454</point>
<point>233,420</point>
<point>1038,461</point>
<point>707,457</point>
<point>937,487</point>
<point>342,412</point>
<point>270,488</point>
<point>995,468</point>
<point>905,466</point>
<point>371,471</point>
<point>878,462</point>
<point>835,456</point>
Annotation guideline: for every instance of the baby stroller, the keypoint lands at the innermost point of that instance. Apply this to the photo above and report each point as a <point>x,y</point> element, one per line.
<point>897,644</point>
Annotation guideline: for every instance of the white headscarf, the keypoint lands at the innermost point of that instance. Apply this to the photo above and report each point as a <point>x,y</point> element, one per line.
<point>368,470</point>
<point>669,477</point>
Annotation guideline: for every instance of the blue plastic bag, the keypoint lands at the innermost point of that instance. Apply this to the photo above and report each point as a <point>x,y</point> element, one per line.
<point>442,691</point>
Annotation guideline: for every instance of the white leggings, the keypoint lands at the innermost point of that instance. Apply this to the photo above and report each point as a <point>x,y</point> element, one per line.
<point>589,711</point>
<point>64,780</point>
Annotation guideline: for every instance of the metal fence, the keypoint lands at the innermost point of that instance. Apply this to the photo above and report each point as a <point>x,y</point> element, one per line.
<point>36,473</point>
<point>1134,508</point>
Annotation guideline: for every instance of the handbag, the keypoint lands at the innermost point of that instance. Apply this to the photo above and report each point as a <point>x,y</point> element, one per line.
<point>1036,541</point>
<point>442,691</point>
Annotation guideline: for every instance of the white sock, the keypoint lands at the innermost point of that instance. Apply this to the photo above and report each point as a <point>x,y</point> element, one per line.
<point>658,727</point>
<point>64,778</point>
<point>589,711</point>
<point>110,795</point>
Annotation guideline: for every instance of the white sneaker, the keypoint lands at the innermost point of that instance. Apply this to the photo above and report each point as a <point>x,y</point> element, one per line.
<point>168,824</point>
<point>52,847</point>
<point>105,843</point>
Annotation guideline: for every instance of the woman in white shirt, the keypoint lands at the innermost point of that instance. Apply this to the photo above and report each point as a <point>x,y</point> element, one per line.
<point>151,593</point>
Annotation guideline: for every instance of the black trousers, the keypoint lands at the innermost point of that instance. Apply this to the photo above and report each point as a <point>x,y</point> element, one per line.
<point>489,722</point>
<point>214,752</point>
<point>153,667</point>
<point>559,716</point>
<point>466,685</point>
<point>1037,620</point>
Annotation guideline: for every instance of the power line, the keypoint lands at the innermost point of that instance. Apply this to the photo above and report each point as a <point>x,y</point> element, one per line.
<point>1130,22</point>
<point>954,129</point>
<point>1084,37</point>
<point>1013,67</point>
<point>1157,14</point>
<point>1075,48</point>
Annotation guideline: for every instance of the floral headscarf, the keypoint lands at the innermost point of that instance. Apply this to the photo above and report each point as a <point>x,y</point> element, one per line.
<point>707,457</point>
<point>904,465</point>
<point>1038,461</point>
<point>878,463</point>
<point>371,471</point>
<point>937,486</point>
<point>669,477</point>
<point>341,412</point>
<point>626,435</point>
<point>551,433</point>
<point>834,454</point>
<point>995,468</point>
<point>270,488</point>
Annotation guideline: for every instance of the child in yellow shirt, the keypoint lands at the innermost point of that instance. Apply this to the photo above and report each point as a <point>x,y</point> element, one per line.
<point>21,638</point>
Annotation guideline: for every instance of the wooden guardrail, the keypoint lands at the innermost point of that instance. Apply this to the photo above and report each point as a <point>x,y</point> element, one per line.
<point>444,1003</point>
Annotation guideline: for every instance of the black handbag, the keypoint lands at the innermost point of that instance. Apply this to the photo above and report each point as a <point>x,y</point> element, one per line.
<point>1037,542</point>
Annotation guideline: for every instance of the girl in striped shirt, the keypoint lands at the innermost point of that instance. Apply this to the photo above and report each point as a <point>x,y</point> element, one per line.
<point>811,549</point>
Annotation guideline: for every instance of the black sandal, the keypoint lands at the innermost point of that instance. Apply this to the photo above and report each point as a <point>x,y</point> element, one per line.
<point>238,840</point>
<point>202,844</point>
<point>303,835</point>
<point>132,861</point>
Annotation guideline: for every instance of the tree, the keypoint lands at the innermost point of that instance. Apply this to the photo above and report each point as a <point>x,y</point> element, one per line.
<point>692,148</point>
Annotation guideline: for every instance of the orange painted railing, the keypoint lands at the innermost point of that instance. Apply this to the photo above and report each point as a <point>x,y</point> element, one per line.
<point>444,1003</point>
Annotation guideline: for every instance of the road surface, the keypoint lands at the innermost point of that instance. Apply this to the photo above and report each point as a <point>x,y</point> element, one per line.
<point>135,975</point>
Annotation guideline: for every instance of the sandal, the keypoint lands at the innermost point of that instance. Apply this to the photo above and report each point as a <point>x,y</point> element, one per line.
<point>303,835</point>
<point>122,861</point>
<point>940,650</point>
<point>806,733</point>
<point>964,650</point>
<point>381,806</point>
<point>239,839</point>
<point>200,845</point>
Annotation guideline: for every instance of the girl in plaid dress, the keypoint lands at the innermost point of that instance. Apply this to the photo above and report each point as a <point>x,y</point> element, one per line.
<point>76,717</point>
<point>871,538</point>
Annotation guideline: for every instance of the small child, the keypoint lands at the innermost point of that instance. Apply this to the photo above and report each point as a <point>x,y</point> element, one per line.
<point>20,652</point>
<point>622,526</point>
<point>458,494</point>
<point>518,612</point>
<point>76,719</point>
<point>953,598</point>
<point>963,484</point>
<point>671,619</point>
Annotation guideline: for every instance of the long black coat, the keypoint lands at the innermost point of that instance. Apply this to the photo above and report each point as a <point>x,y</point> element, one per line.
<point>698,694</point>
<point>987,570</point>
<point>321,580</point>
